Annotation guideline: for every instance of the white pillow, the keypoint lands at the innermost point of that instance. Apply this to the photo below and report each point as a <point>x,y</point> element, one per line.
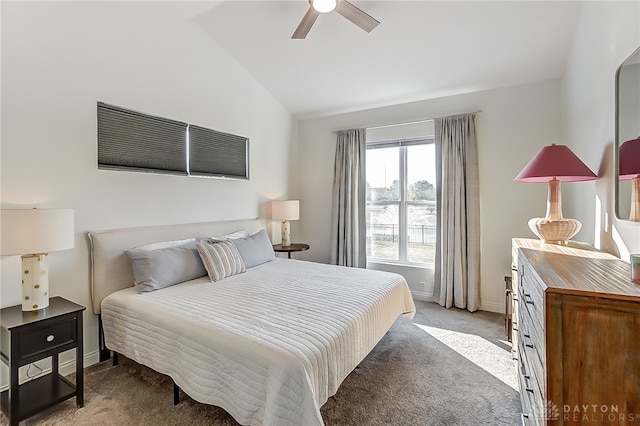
<point>165,244</point>
<point>241,233</point>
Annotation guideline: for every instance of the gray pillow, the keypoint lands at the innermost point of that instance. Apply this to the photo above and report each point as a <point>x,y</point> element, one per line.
<point>255,249</point>
<point>156,269</point>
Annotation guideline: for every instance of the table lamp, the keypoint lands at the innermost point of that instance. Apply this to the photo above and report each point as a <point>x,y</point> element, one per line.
<point>629,169</point>
<point>34,233</point>
<point>285,211</point>
<point>555,164</point>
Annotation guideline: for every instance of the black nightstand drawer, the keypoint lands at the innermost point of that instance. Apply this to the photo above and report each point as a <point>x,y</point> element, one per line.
<point>41,339</point>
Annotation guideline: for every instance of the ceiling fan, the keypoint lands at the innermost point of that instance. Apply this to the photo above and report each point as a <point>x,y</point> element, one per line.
<point>343,7</point>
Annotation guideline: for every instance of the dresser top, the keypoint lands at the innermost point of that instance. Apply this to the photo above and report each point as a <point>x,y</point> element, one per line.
<point>578,268</point>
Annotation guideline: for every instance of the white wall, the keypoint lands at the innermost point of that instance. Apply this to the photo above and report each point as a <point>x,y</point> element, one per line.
<point>607,33</point>
<point>58,59</point>
<point>515,122</point>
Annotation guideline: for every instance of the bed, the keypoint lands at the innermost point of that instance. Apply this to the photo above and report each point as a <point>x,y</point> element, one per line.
<point>269,345</point>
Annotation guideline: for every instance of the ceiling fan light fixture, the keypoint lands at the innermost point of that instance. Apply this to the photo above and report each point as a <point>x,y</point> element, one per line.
<point>324,6</point>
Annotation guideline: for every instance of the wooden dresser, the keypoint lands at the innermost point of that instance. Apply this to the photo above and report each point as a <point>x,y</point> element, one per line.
<point>576,334</point>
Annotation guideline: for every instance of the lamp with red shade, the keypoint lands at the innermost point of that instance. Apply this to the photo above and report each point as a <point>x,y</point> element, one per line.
<point>555,164</point>
<point>629,169</point>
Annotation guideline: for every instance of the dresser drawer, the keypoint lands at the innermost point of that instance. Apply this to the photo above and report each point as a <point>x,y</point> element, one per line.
<point>529,396</point>
<point>515,296</point>
<point>38,339</point>
<point>515,324</point>
<point>531,293</point>
<point>531,335</point>
<point>531,309</point>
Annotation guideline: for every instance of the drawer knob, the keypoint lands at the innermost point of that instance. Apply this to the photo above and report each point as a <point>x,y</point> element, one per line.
<point>527,378</point>
<point>528,345</point>
<point>50,338</point>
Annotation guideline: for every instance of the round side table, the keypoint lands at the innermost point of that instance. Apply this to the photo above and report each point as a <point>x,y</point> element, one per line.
<point>290,248</point>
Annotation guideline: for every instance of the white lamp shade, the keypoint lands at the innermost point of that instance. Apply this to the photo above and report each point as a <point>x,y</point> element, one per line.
<point>36,231</point>
<point>285,210</point>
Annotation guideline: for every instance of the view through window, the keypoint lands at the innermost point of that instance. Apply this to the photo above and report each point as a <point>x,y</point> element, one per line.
<point>401,200</point>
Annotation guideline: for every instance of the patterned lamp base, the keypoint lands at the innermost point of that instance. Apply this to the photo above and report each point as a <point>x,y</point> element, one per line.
<point>554,228</point>
<point>286,241</point>
<point>554,231</point>
<point>35,282</point>
<point>634,214</point>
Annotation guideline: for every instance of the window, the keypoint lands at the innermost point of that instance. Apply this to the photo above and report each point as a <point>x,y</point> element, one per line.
<point>401,200</point>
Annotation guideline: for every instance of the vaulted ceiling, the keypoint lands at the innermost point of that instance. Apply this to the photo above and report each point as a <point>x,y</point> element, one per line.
<point>420,50</point>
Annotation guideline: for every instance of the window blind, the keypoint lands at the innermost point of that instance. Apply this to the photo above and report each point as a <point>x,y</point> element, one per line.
<point>130,140</point>
<point>423,129</point>
<point>398,143</point>
<point>213,153</point>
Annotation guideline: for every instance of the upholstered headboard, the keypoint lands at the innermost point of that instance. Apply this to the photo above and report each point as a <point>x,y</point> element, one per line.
<point>110,269</point>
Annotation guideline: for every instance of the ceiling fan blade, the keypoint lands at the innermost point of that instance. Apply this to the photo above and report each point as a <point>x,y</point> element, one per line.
<point>306,23</point>
<point>356,15</point>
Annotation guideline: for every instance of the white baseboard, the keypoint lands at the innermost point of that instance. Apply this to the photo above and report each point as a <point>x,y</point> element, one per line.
<point>65,368</point>
<point>484,306</point>
<point>423,297</point>
<point>492,307</point>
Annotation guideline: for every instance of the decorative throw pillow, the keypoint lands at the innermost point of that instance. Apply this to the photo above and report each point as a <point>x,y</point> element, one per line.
<point>221,259</point>
<point>160,268</point>
<point>255,249</point>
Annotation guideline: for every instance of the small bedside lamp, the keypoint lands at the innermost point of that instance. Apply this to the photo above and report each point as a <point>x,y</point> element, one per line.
<point>33,233</point>
<point>555,164</point>
<point>285,211</point>
<point>629,169</point>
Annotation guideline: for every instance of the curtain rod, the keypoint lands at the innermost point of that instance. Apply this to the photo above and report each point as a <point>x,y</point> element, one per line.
<point>408,122</point>
<point>384,126</point>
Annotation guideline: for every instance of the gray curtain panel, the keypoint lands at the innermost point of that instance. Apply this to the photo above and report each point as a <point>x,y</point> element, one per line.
<point>457,275</point>
<point>348,219</point>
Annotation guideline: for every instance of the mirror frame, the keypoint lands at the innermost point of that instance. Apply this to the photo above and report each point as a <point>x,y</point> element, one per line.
<point>617,141</point>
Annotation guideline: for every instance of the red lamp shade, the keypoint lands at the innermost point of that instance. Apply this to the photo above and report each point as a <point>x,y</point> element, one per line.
<point>629,155</point>
<point>555,161</point>
<point>555,164</point>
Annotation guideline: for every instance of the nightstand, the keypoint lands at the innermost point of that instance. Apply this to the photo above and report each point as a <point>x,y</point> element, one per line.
<point>290,248</point>
<point>31,336</point>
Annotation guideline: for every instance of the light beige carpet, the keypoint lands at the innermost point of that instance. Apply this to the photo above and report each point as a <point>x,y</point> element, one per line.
<point>444,367</point>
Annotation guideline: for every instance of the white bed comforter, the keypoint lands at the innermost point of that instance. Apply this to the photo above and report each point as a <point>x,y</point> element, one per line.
<point>269,345</point>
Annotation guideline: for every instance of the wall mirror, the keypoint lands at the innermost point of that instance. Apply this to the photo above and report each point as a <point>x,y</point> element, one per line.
<point>627,146</point>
